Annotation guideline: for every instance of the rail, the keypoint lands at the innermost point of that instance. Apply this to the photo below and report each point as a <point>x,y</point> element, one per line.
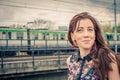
<point>8,69</point>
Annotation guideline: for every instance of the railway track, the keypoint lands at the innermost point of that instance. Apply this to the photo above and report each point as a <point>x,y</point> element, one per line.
<point>30,58</point>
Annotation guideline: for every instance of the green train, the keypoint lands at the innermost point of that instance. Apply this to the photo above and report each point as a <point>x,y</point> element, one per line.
<point>44,41</point>
<point>41,41</point>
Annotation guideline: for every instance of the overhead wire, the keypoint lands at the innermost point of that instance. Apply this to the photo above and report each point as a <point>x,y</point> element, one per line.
<point>22,4</point>
<point>26,5</point>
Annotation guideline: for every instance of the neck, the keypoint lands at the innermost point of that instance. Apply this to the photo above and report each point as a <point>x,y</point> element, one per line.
<point>83,53</point>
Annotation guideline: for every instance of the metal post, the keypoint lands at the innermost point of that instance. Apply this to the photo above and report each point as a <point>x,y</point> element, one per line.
<point>46,44</point>
<point>2,58</point>
<point>115,26</point>
<point>33,63</point>
<point>6,42</point>
<point>28,39</point>
<point>21,43</point>
<point>58,48</point>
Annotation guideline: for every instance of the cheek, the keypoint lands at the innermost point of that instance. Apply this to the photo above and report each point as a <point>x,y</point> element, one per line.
<point>78,38</point>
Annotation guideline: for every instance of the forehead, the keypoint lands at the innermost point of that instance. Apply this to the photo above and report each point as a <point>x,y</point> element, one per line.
<point>85,23</point>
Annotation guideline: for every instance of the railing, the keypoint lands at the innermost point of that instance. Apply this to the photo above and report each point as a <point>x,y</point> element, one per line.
<point>28,66</point>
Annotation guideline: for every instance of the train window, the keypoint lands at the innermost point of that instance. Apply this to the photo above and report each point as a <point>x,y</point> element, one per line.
<point>3,35</point>
<point>47,36</point>
<point>109,37</point>
<point>36,36</point>
<point>9,35</point>
<point>43,36</point>
<point>118,37</point>
<point>19,35</point>
<point>55,36</point>
<point>62,37</point>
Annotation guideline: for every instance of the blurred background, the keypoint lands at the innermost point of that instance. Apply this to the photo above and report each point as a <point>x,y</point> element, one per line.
<point>33,35</point>
<point>55,12</point>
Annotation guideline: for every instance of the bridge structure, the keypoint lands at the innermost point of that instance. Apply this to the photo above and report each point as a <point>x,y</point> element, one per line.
<point>24,66</point>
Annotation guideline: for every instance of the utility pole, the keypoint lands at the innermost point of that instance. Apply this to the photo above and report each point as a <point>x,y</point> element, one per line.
<point>115,26</point>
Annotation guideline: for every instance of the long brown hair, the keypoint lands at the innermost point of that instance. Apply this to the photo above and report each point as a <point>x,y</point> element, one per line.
<point>100,53</point>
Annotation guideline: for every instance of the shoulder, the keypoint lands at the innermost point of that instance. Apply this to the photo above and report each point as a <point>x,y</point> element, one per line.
<point>73,58</point>
<point>115,69</point>
<point>112,56</point>
<point>113,64</point>
<point>68,60</point>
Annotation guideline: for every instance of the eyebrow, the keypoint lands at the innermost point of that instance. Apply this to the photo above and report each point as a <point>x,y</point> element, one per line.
<point>79,28</point>
<point>88,27</point>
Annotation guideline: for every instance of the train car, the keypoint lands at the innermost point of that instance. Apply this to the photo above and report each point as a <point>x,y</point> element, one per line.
<point>110,37</point>
<point>42,41</point>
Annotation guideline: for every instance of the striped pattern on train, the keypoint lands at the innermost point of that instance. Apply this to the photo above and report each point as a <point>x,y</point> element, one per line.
<point>37,38</point>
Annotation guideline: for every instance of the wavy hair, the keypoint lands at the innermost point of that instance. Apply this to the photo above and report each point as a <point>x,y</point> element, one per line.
<point>99,53</point>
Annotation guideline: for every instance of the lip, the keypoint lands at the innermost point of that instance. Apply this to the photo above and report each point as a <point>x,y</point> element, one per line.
<point>86,41</point>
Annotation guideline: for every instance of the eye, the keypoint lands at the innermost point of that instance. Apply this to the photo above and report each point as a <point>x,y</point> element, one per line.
<point>79,30</point>
<point>90,29</point>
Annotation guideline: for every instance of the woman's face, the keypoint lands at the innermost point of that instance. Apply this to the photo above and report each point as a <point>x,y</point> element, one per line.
<point>84,34</point>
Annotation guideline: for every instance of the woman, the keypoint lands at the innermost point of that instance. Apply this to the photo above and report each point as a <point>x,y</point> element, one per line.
<point>94,60</point>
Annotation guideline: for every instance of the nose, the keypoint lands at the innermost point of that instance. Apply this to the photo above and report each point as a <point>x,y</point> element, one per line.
<point>86,33</point>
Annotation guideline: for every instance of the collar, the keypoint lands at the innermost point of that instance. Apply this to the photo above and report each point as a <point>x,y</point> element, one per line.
<point>87,57</point>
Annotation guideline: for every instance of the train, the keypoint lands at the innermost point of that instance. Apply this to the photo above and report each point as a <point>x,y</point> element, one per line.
<point>41,41</point>
<point>37,40</point>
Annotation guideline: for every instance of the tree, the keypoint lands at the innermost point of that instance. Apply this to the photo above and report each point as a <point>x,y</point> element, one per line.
<point>118,29</point>
<point>107,28</point>
<point>40,24</point>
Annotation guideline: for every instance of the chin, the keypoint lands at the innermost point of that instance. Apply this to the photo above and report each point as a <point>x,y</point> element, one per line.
<point>87,47</point>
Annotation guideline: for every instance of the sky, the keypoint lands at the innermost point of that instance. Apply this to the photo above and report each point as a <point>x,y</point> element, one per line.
<point>58,11</point>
